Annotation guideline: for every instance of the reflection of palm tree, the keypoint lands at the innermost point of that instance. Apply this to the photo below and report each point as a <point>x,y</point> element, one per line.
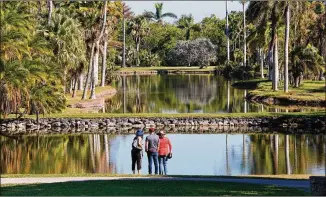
<point>245,101</point>
<point>287,155</point>
<point>276,154</point>
<point>124,93</point>
<point>228,99</point>
<point>227,155</point>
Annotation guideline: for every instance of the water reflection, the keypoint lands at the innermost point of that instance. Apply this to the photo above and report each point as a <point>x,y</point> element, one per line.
<point>214,154</point>
<point>179,94</point>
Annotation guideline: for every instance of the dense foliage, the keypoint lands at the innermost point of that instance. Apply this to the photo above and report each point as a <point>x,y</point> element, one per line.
<point>56,47</point>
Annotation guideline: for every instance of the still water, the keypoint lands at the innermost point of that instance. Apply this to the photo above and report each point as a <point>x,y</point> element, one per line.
<point>180,94</point>
<point>193,154</point>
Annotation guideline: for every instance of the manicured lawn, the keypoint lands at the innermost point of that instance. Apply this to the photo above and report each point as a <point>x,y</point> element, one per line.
<point>310,90</point>
<point>148,188</point>
<point>181,68</point>
<point>79,94</point>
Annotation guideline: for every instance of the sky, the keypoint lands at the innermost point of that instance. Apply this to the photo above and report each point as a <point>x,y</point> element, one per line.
<point>199,9</point>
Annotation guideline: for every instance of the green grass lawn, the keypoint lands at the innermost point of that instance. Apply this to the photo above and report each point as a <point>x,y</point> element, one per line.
<point>148,188</point>
<point>181,68</point>
<point>308,91</point>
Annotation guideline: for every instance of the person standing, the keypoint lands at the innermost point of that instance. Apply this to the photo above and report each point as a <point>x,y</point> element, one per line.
<point>137,151</point>
<point>165,149</point>
<point>151,148</point>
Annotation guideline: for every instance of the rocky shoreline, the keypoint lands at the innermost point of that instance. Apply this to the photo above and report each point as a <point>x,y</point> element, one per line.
<point>112,125</point>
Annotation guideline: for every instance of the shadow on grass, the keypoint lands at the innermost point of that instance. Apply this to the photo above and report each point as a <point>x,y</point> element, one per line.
<point>322,89</point>
<point>147,188</point>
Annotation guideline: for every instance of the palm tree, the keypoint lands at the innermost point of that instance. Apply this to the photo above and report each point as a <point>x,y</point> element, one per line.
<point>126,13</point>
<point>227,31</point>
<point>260,13</point>
<point>138,28</point>
<point>187,22</point>
<point>158,15</point>
<point>305,59</point>
<point>243,2</point>
<point>64,33</point>
<point>286,48</point>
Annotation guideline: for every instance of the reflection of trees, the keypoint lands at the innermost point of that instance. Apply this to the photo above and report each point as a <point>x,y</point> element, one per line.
<point>176,93</point>
<point>56,154</point>
<point>266,157</point>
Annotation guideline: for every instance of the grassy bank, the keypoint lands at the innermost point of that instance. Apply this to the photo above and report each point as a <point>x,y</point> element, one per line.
<point>147,188</point>
<point>179,68</point>
<point>265,176</point>
<point>310,92</point>
<point>185,115</point>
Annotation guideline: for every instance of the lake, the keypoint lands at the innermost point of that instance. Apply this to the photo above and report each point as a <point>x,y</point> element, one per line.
<point>181,94</point>
<point>193,154</point>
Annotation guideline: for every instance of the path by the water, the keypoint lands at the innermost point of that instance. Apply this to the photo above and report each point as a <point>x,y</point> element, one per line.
<point>278,182</point>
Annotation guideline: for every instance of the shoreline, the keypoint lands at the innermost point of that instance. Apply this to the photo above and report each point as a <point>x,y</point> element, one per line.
<point>284,123</point>
<point>310,94</point>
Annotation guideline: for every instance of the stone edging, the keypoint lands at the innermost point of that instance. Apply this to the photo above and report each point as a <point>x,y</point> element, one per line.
<point>104,124</point>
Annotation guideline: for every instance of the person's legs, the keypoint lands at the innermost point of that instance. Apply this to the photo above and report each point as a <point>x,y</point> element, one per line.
<point>139,161</point>
<point>155,158</point>
<point>133,161</point>
<point>160,161</point>
<point>150,162</point>
<point>165,160</point>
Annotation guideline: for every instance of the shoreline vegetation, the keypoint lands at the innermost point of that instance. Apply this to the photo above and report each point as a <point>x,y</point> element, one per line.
<point>165,70</point>
<point>310,93</point>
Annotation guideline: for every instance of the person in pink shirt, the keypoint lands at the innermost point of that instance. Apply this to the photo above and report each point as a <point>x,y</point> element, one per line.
<point>165,149</point>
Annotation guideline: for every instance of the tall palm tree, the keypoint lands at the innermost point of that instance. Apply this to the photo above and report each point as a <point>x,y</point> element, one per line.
<point>138,28</point>
<point>286,47</point>
<point>243,2</point>
<point>187,23</point>
<point>227,31</point>
<point>158,15</point>
<point>261,13</point>
<point>126,13</point>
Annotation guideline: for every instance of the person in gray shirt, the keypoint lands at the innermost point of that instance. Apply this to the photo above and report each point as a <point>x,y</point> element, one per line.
<point>151,148</point>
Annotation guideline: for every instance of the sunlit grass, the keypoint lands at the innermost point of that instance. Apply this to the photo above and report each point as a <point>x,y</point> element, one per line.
<point>308,91</point>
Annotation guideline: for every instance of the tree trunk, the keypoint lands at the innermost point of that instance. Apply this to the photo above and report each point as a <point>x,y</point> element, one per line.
<point>286,49</point>
<point>137,54</point>
<point>228,97</point>
<point>81,81</point>
<point>227,31</point>
<point>105,45</point>
<point>262,63</point>
<point>50,7</point>
<point>297,82</point>
<point>93,78</point>
<point>124,43</point>
<point>64,81</point>
<point>270,65</point>
<point>75,88</point>
<point>275,69</point>
<point>95,63</point>
<point>244,36</point>
<point>89,72</point>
